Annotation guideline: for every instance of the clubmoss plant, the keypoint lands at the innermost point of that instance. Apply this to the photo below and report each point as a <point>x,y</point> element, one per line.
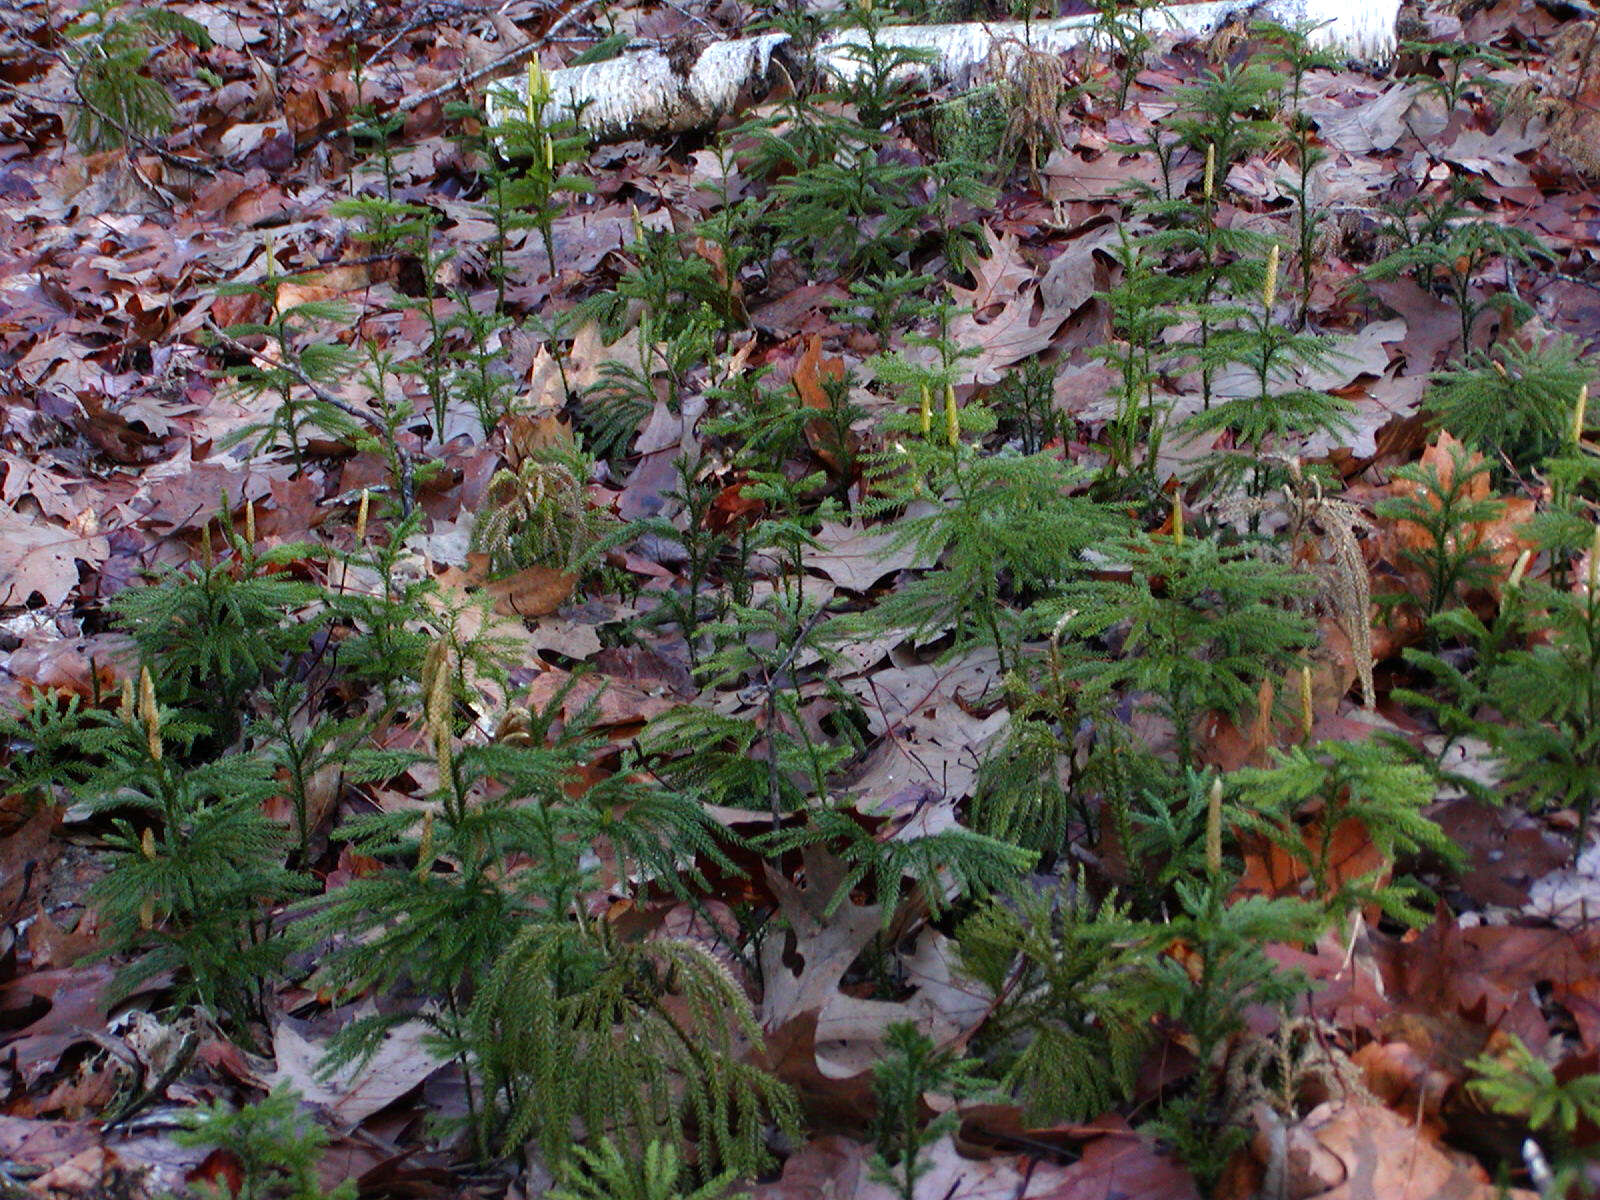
<point>632,1040</point>
<point>392,226</point>
<point>762,423</point>
<point>674,349</point>
<point>195,866</point>
<point>697,529</point>
<point>1340,783</point>
<point>1450,250</point>
<point>1064,751</point>
<point>107,49</point>
<point>383,380</point>
<point>835,200</point>
<point>885,302</point>
<point>308,747</point>
<point>1562,529</point>
<point>1074,984</point>
<point>215,630</point>
<point>764,644</point>
<point>411,231</point>
<point>1514,405</point>
<point>1454,694</point>
<point>1223,118</point>
<point>292,359</point>
<point>739,762</point>
<point>1445,510</point>
<point>605,1173</point>
<point>38,745</point>
<point>911,1066</point>
<point>1550,747</point>
<point>479,376</point>
<point>543,147</point>
<point>1121,32</point>
<point>540,514</point>
<point>499,846</point>
<point>953,862</point>
<point>1169,830</point>
<point>1293,49</point>
<point>1000,527</point>
<point>386,611</point>
<point>1555,1100</point>
<point>1215,970</point>
<point>275,1144</point>
<point>1461,66</point>
<point>1197,625</point>
<point>1141,310</point>
<point>1024,403</point>
<point>1263,414</point>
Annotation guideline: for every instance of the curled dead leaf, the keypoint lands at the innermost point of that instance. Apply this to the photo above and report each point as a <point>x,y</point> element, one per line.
<point>532,592</point>
<point>811,374</point>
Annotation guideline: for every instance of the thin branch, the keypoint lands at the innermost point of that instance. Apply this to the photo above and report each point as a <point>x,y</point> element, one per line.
<point>433,16</point>
<point>771,683</point>
<point>509,59</point>
<point>407,483</point>
<point>195,166</point>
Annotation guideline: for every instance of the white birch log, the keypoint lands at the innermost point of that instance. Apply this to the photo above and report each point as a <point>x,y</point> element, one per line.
<point>641,92</point>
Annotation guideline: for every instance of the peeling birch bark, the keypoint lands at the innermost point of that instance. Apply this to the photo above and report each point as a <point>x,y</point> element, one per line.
<point>641,92</point>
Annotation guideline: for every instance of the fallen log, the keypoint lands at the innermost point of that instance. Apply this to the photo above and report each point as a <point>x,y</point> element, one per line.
<point>644,91</point>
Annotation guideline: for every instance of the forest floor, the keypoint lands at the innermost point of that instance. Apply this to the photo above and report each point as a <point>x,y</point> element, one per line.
<point>644,501</point>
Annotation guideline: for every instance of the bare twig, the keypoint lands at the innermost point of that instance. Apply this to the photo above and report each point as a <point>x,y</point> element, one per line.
<point>770,683</point>
<point>509,59</point>
<point>407,480</point>
<point>432,16</point>
<point>134,136</point>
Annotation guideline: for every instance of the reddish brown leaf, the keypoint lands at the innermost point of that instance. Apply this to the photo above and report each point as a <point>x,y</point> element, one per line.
<point>78,1006</point>
<point>531,592</point>
<point>821,436</point>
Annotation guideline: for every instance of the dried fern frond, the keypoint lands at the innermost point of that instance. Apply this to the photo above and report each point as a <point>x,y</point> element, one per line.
<point>539,514</point>
<point>1344,586</point>
<point>1031,85</point>
<point>1298,1058</point>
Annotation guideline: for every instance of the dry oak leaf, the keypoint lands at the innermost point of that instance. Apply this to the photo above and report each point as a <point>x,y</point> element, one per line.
<point>855,558</point>
<point>830,1104</point>
<point>531,592</point>
<point>1502,538</point>
<point>811,375</point>
<point>998,276</point>
<point>804,967</point>
<point>1366,1152</point>
<point>43,1143</point>
<point>79,1003</point>
<point>836,1168</point>
<point>37,556</point>
<point>48,489</point>
<point>1441,456</point>
<point>353,1094</point>
<point>615,703</point>
<point>1069,177</point>
<point>1008,337</point>
<point>1001,325</point>
<point>1270,870</point>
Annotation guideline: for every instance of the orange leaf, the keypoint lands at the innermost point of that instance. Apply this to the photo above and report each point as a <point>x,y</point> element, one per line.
<point>821,436</point>
<point>532,591</point>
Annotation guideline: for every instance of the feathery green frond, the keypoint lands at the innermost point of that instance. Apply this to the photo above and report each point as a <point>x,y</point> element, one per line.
<point>636,1041</point>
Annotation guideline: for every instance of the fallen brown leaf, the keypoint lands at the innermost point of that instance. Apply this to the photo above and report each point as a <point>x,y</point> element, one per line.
<point>531,592</point>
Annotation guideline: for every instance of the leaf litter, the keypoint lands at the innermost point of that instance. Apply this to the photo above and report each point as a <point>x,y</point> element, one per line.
<point>113,444</point>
